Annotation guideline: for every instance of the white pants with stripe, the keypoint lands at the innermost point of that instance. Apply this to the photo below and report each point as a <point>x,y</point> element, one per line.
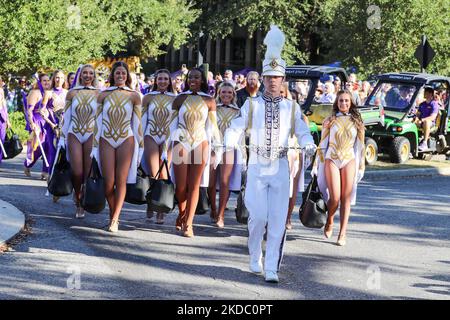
<point>267,200</point>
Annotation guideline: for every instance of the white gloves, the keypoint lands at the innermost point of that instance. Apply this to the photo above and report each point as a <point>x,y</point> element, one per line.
<point>310,150</point>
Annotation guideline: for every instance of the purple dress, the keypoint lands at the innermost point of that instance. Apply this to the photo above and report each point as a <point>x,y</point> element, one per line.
<point>55,108</point>
<point>33,150</point>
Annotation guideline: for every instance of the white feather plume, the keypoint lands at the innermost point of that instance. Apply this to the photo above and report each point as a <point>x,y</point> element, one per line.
<point>274,41</point>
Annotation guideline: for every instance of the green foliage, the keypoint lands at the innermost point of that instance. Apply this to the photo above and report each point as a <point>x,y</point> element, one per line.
<point>298,19</point>
<point>18,123</point>
<point>50,34</point>
<point>149,25</point>
<point>391,47</point>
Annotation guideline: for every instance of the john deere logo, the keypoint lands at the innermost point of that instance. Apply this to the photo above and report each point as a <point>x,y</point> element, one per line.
<point>274,64</point>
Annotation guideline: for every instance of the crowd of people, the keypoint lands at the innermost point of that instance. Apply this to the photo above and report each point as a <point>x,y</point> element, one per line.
<point>209,131</point>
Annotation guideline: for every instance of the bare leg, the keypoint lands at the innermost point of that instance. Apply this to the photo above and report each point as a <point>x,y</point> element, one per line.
<point>87,161</point>
<point>198,156</point>
<point>180,168</point>
<point>293,199</point>
<point>76,166</point>
<point>212,188</point>
<point>426,125</point>
<point>151,153</point>
<point>347,179</point>
<point>333,178</point>
<point>225,173</point>
<point>108,163</point>
<point>124,155</point>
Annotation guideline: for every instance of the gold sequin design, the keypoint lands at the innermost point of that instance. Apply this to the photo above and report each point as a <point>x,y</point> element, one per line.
<point>58,101</point>
<point>83,114</point>
<point>224,117</point>
<point>342,144</point>
<point>194,121</point>
<point>117,124</point>
<point>160,120</point>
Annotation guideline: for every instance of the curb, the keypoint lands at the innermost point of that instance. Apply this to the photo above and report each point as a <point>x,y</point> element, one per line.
<point>406,173</point>
<point>12,222</point>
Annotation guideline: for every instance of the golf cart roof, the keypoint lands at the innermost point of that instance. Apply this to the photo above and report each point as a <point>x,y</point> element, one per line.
<point>309,71</point>
<point>412,77</point>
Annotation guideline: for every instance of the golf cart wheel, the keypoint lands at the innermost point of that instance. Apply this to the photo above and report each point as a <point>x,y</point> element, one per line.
<point>400,150</point>
<point>371,151</point>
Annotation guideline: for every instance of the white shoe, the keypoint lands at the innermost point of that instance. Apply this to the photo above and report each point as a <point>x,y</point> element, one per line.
<point>256,267</point>
<point>271,276</point>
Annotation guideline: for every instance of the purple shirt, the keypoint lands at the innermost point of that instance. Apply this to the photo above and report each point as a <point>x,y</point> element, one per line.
<point>427,109</point>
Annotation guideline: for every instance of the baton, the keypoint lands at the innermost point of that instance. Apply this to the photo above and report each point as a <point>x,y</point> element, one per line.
<point>3,149</point>
<point>41,147</point>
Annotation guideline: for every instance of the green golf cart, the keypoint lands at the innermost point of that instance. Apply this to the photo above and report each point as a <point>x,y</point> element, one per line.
<point>305,79</point>
<point>400,95</point>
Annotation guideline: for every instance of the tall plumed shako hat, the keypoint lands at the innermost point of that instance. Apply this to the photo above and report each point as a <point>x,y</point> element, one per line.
<point>273,65</point>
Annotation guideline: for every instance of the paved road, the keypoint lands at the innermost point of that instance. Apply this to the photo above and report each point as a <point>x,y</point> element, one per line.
<point>398,248</point>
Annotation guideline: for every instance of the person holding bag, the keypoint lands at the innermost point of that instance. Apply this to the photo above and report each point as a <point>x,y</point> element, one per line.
<point>194,133</point>
<point>156,118</point>
<point>51,111</point>
<point>340,162</point>
<point>78,128</point>
<point>231,166</point>
<point>118,140</point>
<point>273,120</point>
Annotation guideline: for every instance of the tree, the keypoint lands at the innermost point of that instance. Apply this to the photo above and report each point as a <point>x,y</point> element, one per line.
<point>384,38</point>
<point>50,34</point>
<point>300,20</point>
<point>150,25</point>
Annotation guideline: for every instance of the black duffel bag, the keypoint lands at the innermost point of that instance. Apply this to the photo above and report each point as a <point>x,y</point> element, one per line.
<point>12,144</point>
<point>313,211</point>
<point>136,192</point>
<point>60,181</point>
<point>93,197</point>
<point>161,194</point>
<point>203,201</point>
<point>241,210</point>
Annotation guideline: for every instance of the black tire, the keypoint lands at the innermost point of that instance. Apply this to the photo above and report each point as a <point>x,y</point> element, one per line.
<point>400,150</point>
<point>371,151</point>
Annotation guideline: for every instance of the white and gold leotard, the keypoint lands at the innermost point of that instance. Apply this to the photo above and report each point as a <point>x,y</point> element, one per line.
<point>79,114</point>
<point>342,140</point>
<point>157,116</point>
<point>193,123</point>
<point>224,116</point>
<point>116,120</point>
